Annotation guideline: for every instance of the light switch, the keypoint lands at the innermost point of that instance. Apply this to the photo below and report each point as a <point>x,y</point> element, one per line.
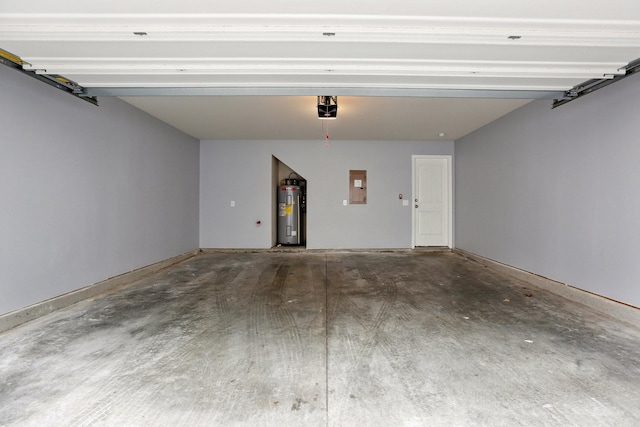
<point>233,203</point>
<point>344,203</point>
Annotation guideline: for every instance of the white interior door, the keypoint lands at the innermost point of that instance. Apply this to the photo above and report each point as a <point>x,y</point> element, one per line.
<point>432,200</point>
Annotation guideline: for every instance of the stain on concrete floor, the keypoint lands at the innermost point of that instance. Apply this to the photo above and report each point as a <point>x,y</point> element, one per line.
<point>315,339</point>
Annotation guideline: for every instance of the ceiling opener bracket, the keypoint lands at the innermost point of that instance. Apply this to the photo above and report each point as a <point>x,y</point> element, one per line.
<point>590,86</point>
<point>55,80</point>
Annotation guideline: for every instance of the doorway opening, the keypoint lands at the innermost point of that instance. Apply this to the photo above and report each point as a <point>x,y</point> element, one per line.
<point>289,206</point>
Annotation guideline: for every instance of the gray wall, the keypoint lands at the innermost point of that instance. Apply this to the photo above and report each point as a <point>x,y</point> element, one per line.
<point>557,192</point>
<point>87,192</point>
<point>242,171</point>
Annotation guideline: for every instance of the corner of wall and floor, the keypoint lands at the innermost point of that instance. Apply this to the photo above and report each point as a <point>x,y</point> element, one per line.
<point>550,191</point>
<point>88,192</point>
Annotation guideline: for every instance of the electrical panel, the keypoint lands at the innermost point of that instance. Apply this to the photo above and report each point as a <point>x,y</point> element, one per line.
<point>358,187</point>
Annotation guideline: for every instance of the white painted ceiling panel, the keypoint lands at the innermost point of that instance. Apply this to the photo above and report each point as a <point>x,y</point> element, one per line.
<point>286,45</point>
<point>540,9</point>
<point>320,81</point>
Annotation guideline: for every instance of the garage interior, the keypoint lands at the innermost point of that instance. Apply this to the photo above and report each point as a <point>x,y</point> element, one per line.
<point>141,276</point>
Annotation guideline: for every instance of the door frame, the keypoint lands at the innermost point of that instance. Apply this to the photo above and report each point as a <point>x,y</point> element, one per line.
<point>449,159</point>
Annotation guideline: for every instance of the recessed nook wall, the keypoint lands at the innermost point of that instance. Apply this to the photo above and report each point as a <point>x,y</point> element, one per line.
<point>285,213</point>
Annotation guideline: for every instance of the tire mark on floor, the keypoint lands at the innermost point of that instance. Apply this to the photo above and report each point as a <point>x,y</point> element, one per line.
<point>374,328</point>
<point>115,394</point>
<point>376,338</point>
<point>269,314</point>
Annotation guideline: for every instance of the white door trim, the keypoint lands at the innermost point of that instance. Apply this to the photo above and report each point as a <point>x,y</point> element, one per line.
<point>449,159</point>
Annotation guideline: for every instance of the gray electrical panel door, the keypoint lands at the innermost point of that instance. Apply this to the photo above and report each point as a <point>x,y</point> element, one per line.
<point>289,214</point>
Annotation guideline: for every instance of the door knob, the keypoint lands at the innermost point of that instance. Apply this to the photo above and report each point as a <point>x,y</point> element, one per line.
<point>416,206</point>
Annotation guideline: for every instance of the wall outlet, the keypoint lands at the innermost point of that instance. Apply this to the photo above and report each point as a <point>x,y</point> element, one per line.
<point>405,203</point>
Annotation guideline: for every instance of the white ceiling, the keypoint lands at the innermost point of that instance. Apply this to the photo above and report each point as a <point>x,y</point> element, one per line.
<point>405,70</point>
<point>295,117</point>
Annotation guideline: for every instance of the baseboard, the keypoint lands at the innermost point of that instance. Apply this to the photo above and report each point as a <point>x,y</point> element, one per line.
<point>15,318</point>
<point>616,309</point>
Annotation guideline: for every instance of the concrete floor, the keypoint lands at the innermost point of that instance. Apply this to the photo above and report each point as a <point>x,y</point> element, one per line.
<point>314,339</point>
